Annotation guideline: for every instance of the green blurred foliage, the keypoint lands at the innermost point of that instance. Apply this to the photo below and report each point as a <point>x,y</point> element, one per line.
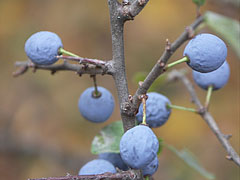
<point>199,2</point>
<point>220,24</point>
<point>161,143</point>
<point>39,113</point>
<point>188,157</point>
<point>108,139</point>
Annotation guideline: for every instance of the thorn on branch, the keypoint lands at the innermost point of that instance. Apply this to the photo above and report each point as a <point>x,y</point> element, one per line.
<point>142,2</point>
<point>202,110</point>
<point>78,73</point>
<point>20,71</point>
<point>34,69</point>
<point>85,66</point>
<point>140,83</point>
<point>228,157</point>
<point>190,32</point>
<point>130,98</point>
<point>53,72</point>
<point>125,2</point>
<point>162,64</point>
<point>227,136</point>
<point>68,175</point>
<point>168,45</point>
<point>127,13</point>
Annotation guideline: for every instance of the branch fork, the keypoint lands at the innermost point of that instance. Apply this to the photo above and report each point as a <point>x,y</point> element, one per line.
<point>203,112</point>
<point>130,9</point>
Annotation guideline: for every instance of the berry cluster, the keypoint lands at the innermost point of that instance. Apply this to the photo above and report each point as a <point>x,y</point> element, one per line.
<point>205,54</point>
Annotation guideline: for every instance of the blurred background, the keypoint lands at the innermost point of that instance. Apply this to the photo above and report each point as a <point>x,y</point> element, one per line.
<point>42,133</point>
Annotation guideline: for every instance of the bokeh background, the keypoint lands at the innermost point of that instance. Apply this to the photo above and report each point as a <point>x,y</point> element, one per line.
<point>42,133</point>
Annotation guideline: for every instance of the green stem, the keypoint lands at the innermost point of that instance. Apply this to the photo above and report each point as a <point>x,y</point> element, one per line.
<point>63,51</point>
<point>144,111</point>
<point>147,178</point>
<point>209,94</point>
<point>184,59</point>
<point>181,108</point>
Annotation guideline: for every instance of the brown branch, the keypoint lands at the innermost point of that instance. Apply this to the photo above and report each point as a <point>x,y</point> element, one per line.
<point>158,68</point>
<point>119,75</point>
<point>132,8</point>
<point>117,20</point>
<point>123,175</point>
<point>223,139</point>
<point>80,69</point>
<point>82,60</point>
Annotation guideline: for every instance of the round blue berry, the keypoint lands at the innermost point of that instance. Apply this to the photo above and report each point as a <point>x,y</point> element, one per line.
<point>151,168</point>
<point>97,166</point>
<point>157,112</point>
<point>115,159</point>
<point>206,53</point>
<point>96,109</point>
<point>138,147</point>
<point>42,47</point>
<point>217,78</point>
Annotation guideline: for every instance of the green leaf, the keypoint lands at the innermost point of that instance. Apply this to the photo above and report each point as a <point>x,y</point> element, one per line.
<point>191,161</point>
<point>199,2</point>
<point>160,140</point>
<point>226,27</point>
<point>108,139</point>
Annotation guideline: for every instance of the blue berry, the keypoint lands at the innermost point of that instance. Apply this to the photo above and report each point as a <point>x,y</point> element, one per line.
<point>42,47</point>
<point>97,166</point>
<point>96,109</point>
<point>206,53</point>
<point>115,159</point>
<point>138,147</point>
<point>157,112</point>
<point>151,168</point>
<point>217,78</point>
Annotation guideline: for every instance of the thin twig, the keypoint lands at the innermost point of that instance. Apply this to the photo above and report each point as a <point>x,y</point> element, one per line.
<point>123,175</point>
<point>223,139</point>
<point>65,66</point>
<point>82,60</point>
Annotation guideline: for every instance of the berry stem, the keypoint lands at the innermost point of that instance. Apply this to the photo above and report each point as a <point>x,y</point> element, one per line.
<point>184,59</point>
<point>144,111</point>
<point>208,97</point>
<point>181,108</point>
<point>144,98</point>
<point>95,93</point>
<point>63,51</point>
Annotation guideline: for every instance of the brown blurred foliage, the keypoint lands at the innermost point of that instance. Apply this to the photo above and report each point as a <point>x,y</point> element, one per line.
<point>41,131</point>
